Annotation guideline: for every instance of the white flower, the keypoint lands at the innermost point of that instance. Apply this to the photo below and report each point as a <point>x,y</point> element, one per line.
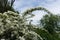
<point>21,38</point>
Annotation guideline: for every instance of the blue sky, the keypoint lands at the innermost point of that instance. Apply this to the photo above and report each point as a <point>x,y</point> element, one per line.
<point>51,5</point>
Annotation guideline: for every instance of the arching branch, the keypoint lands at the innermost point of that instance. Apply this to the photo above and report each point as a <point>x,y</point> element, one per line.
<point>34,9</point>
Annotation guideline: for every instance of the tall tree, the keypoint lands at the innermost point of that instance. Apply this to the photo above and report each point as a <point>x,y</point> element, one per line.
<point>50,22</point>
<point>6,5</point>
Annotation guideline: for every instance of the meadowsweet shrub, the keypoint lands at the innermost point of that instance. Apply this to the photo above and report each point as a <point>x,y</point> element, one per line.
<point>13,27</point>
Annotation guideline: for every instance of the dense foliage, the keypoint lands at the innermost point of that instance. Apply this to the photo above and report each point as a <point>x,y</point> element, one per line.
<point>14,26</point>
<point>50,22</point>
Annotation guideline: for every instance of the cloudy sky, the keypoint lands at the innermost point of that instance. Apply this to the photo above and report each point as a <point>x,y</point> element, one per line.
<point>51,5</point>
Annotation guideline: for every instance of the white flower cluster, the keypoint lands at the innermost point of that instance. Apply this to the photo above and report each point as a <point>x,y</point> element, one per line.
<point>13,27</point>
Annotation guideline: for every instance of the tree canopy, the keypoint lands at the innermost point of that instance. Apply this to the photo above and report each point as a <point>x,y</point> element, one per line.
<point>50,22</point>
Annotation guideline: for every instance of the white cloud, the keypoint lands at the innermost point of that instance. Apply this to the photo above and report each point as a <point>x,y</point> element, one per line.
<point>54,7</point>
